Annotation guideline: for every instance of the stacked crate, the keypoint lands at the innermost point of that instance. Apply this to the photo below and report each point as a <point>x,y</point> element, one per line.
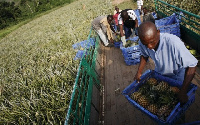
<point>169,25</point>
<point>131,54</point>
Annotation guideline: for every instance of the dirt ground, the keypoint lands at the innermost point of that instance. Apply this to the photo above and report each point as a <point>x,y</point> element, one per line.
<point>116,2</point>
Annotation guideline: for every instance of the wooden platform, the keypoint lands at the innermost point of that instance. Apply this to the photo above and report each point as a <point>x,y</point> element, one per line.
<point>117,76</point>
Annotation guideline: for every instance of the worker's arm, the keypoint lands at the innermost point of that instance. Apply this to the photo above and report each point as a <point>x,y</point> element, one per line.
<point>189,75</point>
<point>136,27</point>
<point>123,39</point>
<point>121,30</point>
<point>143,61</point>
<point>136,23</point>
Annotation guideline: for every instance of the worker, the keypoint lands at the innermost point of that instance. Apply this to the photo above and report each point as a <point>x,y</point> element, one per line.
<point>140,5</point>
<point>102,25</point>
<point>117,10</point>
<point>170,56</point>
<point>129,20</point>
<point>148,16</point>
<point>115,16</point>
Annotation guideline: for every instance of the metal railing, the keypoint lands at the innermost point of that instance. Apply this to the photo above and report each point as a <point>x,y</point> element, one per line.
<point>189,25</point>
<point>80,104</point>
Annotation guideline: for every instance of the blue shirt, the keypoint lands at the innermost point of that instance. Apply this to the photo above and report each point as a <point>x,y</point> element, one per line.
<point>171,58</point>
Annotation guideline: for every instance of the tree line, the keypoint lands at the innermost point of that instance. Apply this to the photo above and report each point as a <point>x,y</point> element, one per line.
<point>14,12</point>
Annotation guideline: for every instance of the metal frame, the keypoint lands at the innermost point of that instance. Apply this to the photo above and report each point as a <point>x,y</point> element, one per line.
<point>80,104</point>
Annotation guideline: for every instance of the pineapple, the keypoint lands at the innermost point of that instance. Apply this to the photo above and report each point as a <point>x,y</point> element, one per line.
<point>152,81</point>
<point>135,96</point>
<point>128,43</point>
<point>164,112</point>
<point>153,108</point>
<point>143,101</point>
<point>174,89</point>
<point>117,38</point>
<point>162,86</point>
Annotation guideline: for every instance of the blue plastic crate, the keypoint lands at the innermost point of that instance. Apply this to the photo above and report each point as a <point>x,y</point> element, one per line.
<point>166,21</point>
<point>117,44</point>
<point>172,29</point>
<point>80,54</point>
<point>84,44</point>
<point>176,113</point>
<point>131,61</point>
<point>131,54</point>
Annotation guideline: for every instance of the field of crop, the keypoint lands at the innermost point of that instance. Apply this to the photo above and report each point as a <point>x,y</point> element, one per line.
<point>37,70</point>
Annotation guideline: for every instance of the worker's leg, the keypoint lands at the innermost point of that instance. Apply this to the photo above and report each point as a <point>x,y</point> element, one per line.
<point>127,31</point>
<point>102,37</point>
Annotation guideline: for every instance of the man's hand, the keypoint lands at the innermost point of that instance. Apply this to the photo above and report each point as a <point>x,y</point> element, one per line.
<point>123,40</point>
<point>137,77</point>
<point>117,33</point>
<point>182,96</point>
<point>111,40</point>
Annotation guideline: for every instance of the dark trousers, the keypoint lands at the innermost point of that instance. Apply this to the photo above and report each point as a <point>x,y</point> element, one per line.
<point>128,31</point>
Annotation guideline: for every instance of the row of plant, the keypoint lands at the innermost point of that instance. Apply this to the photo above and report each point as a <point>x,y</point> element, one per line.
<point>37,66</point>
<point>14,11</point>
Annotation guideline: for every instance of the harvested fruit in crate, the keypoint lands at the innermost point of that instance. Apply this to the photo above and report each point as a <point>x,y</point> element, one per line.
<point>143,101</point>
<point>130,43</point>
<point>158,97</point>
<point>117,38</point>
<point>153,108</point>
<point>162,86</point>
<point>136,95</point>
<point>152,81</point>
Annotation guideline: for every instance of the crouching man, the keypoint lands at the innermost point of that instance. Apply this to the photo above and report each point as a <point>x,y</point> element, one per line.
<point>102,25</point>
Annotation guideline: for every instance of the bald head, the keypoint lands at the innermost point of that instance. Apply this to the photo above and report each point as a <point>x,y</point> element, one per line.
<point>149,35</point>
<point>147,29</point>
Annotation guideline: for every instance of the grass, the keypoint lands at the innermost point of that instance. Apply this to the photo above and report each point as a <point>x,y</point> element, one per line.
<point>127,5</point>
<point>13,26</point>
<point>37,66</point>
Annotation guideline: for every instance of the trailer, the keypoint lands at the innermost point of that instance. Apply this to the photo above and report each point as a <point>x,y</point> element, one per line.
<point>103,75</point>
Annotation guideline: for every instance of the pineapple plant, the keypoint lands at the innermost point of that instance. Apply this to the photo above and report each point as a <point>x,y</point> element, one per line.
<point>144,89</point>
<point>152,81</point>
<point>153,108</point>
<point>153,96</point>
<point>162,86</point>
<point>135,96</point>
<point>143,101</point>
<point>174,89</point>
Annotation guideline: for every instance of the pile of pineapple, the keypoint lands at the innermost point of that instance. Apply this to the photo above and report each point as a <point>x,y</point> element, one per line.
<point>130,43</point>
<point>158,97</point>
<point>117,38</point>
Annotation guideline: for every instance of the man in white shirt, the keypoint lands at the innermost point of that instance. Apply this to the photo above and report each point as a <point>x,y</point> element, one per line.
<point>140,5</point>
<point>129,20</point>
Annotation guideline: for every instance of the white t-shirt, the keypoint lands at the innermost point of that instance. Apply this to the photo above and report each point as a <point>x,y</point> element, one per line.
<point>131,13</point>
<point>139,3</point>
